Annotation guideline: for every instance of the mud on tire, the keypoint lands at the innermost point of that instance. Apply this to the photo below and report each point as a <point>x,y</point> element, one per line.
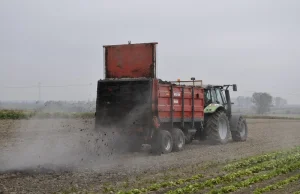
<point>217,128</point>
<point>162,142</point>
<point>242,131</point>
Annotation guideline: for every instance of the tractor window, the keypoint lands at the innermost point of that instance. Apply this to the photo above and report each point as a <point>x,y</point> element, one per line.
<point>219,96</point>
<point>213,95</point>
<point>207,95</point>
<point>223,96</point>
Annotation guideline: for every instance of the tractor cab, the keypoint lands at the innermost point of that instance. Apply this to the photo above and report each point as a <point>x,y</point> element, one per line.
<point>218,97</point>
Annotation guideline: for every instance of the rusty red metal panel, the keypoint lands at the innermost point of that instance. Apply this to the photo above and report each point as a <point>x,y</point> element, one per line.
<point>130,60</point>
<point>164,102</point>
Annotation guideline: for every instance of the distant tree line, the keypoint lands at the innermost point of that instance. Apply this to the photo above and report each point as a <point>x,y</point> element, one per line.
<point>261,102</point>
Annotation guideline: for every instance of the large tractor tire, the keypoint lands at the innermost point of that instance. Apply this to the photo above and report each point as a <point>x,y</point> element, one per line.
<point>178,139</point>
<point>241,130</point>
<point>162,142</point>
<point>217,128</point>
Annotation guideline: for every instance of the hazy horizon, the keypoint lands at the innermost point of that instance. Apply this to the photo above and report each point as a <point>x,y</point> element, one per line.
<point>59,43</point>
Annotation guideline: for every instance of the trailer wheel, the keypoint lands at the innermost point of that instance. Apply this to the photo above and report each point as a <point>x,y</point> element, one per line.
<point>242,131</point>
<point>217,128</point>
<point>162,142</point>
<point>178,139</point>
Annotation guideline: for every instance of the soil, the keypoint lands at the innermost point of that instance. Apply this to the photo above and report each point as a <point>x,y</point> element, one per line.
<point>51,155</point>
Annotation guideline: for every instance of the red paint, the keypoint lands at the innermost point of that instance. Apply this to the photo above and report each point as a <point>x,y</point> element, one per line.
<point>162,97</point>
<point>130,60</point>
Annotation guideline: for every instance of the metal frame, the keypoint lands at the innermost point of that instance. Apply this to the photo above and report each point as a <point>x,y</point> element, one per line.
<point>193,108</point>
<point>182,111</point>
<point>192,81</point>
<point>172,104</point>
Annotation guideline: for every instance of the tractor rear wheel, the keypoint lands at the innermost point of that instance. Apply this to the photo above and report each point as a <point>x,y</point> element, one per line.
<point>217,128</point>
<point>241,132</point>
<point>162,142</point>
<point>178,139</point>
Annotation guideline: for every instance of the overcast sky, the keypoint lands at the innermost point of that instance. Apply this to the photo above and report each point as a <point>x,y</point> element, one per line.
<point>252,43</point>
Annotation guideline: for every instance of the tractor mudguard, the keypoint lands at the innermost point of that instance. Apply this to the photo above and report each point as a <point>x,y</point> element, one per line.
<point>211,108</point>
<point>234,122</point>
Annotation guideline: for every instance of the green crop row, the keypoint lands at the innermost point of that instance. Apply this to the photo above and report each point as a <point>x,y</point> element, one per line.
<point>291,156</point>
<point>287,168</point>
<point>259,159</point>
<point>20,114</point>
<point>157,186</point>
<point>297,192</point>
<point>268,165</point>
<point>277,185</point>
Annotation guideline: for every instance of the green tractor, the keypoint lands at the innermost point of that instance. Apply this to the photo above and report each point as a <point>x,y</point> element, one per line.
<point>219,122</point>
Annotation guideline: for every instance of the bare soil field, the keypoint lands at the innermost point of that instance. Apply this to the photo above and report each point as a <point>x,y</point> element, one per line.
<point>65,156</point>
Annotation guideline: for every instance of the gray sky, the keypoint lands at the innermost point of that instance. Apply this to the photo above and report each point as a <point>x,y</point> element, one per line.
<point>252,43</point>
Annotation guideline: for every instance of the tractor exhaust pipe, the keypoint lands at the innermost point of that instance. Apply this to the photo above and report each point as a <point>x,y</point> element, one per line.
<point>227,95</point>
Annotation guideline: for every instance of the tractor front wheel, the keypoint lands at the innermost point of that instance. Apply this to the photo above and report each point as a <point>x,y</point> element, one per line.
<point>217,128</point>
<point>162,142</point>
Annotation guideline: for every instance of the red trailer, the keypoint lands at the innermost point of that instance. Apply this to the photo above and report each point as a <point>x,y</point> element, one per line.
<point>133,102</point>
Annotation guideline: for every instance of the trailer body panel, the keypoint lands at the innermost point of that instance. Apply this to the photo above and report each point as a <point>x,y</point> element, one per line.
<point>180,104</point>
<point>130,60</point>
<point>132,104</point>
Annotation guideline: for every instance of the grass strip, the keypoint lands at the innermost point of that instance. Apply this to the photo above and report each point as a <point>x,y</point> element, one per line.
<point>277,185</point>
<point>21,114</point>
<point>259,159</point>
<point>255,179</point>
<point>297,192</point>
<point>269,165</point>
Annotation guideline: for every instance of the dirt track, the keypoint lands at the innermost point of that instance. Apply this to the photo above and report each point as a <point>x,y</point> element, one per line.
<point>30,150</point>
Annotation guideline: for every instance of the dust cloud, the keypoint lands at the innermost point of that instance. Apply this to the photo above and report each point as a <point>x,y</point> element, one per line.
<point>50,145</point>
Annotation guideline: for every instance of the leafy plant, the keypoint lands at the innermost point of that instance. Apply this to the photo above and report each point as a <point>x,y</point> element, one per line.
<point>259,159</point>
<point>258,178</point>
<point>278,185</point>
<point>269,165</point>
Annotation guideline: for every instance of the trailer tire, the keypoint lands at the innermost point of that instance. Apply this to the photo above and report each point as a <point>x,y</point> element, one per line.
<point>178,139</point>
<point>241,132</point>
<point>162,142</point>
<point>217,128</point>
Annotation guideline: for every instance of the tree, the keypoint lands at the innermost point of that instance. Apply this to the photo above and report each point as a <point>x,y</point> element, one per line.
<point>240,101</point>
<point>262,102</point>
<point>280,102</point>
<point>248,102</point>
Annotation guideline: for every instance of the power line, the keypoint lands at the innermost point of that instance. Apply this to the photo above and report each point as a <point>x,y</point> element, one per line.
<point>48,86</point>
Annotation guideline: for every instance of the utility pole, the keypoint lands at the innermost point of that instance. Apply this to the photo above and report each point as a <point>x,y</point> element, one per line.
<point>39,87</point>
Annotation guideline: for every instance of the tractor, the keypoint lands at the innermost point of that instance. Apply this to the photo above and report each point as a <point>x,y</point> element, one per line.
<point>134,107</point>
<point>219,122</point>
